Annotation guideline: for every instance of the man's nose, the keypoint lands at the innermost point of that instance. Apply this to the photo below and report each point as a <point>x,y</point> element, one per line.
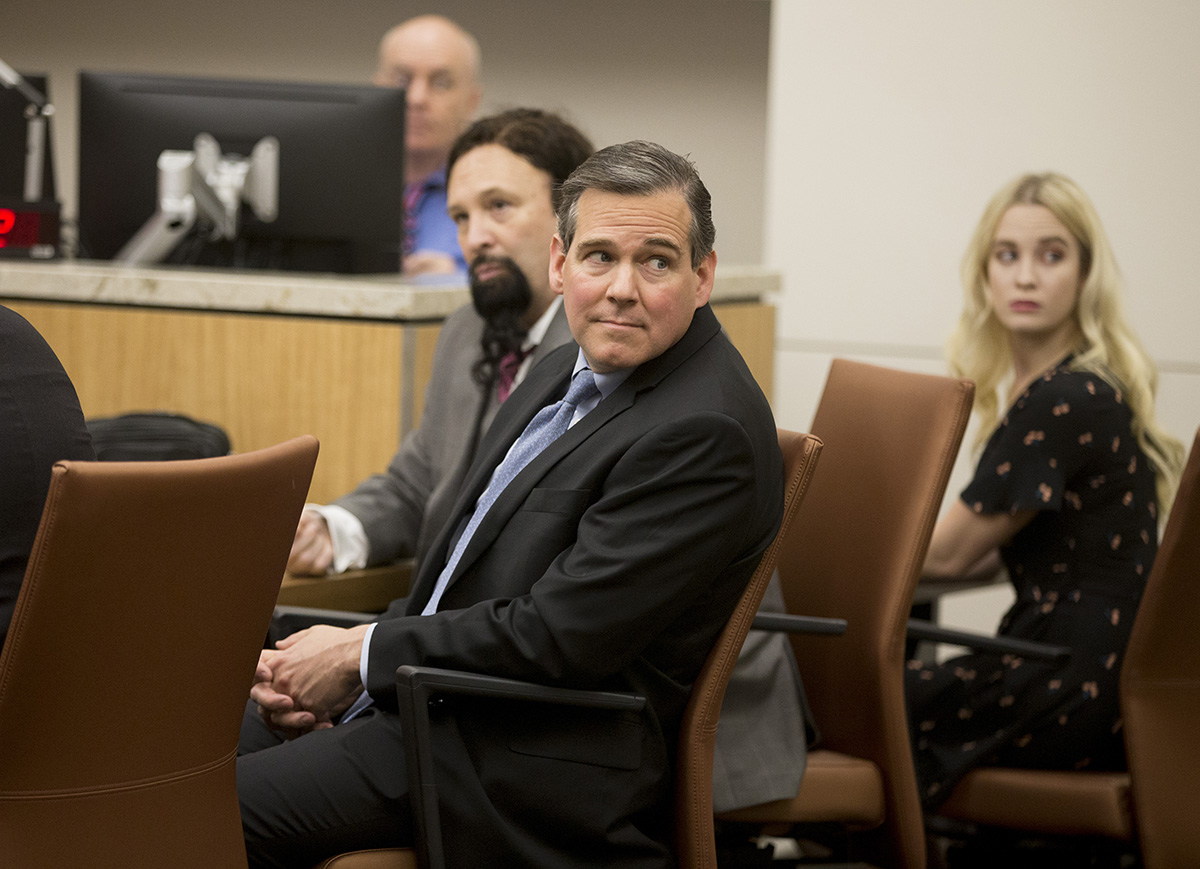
<point>416,91</point>
<point>622,285</point>
<point>478,236</point>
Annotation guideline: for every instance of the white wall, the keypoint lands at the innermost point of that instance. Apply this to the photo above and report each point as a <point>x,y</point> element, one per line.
<point>690,74</point>
<point>891,124</point>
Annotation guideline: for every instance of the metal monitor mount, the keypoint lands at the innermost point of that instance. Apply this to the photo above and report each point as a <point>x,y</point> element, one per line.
<point>206,187</point>
<point>35,137</point>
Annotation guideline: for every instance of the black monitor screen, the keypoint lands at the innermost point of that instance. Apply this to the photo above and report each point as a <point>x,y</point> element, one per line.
<point>14,134</point>
<point>341,178</point>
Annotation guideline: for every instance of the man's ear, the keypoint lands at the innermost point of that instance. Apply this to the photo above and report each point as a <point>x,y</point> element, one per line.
<point>558,259</point>
<point>706,272</point>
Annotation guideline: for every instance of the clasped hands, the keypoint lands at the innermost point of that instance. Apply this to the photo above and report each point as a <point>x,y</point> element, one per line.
<point>309,678</point>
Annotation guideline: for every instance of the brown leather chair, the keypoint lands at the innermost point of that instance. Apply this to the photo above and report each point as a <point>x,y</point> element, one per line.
<point>693,810</point>
<point>1160,688</point>
<point>126,669</point>
<point>1160,703</point>
<point>855,552</point>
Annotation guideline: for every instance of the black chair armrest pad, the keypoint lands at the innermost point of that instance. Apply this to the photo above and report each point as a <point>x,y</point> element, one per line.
<point>794,624</point>
<point>919,629</point>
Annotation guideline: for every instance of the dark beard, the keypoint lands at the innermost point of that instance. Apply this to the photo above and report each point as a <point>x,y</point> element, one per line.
<point>502,301</point>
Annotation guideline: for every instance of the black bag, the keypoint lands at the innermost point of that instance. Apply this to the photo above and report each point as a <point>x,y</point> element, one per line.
<point>153,437</point>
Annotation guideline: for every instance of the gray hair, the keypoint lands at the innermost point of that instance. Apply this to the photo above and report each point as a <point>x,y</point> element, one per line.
<point>640,169</point>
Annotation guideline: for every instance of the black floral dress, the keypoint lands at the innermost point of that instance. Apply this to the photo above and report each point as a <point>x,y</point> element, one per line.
<point>1066,450</point>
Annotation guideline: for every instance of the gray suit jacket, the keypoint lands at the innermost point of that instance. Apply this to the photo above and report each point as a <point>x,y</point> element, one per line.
<point>760,749</point>
<point>403,508</point>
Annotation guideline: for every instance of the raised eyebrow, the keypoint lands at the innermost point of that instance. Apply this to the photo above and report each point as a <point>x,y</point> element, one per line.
<point>669,244</point>
<point>591,244</point>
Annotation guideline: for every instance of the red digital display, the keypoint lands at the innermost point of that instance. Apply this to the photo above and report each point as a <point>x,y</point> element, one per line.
<point>28,231</point>
<point>18,228</point>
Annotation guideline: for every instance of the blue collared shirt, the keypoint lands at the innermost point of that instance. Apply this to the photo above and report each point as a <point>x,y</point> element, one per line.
<point>434,229</point>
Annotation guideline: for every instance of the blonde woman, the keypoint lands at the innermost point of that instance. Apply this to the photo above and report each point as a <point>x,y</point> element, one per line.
<point>1066,495</point>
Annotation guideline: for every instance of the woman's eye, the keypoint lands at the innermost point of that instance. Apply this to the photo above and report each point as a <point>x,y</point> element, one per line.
<point>1006,256</point>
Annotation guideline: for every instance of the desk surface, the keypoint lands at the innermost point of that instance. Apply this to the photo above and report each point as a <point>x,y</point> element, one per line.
<point>369,590</point>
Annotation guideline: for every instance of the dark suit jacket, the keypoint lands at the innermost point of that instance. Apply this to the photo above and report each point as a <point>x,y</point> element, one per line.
<point>40,423</point>
<point>403,508</point>
<point>612,561</point>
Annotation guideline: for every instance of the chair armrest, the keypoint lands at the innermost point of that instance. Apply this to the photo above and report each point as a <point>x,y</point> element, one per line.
<point>919,629</point>
<point>416,687</point>
<point>793,624</point>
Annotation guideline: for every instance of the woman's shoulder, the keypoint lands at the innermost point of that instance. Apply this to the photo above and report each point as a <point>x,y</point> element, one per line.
<point>1063,389</point>
<point>1068,406</point>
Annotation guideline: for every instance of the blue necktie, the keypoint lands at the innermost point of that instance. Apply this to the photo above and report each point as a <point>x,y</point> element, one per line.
<point>549,424</point>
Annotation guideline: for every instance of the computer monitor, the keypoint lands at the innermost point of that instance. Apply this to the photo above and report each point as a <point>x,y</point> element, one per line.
<point>340,168</point>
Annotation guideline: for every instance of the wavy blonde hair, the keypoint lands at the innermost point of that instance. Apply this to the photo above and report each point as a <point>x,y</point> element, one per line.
<point>978,348</point>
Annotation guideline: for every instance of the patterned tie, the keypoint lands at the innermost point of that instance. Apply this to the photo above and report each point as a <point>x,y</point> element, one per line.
<point>549,424</point>
<point>412,198</point>
<point>506,372</point>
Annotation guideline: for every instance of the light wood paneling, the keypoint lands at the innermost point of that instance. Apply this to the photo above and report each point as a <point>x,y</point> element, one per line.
<point>262,378</point>
<point>268,377</point>
<point>751,328</point>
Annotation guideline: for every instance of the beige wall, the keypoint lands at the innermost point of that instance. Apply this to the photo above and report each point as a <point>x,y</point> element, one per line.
<point>690,74</point>
<point>890,126</point>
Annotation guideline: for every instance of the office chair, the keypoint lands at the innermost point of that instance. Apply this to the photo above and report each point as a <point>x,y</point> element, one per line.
<point>1110,813</point>
<point>695,844</point>
<point>126,670</point>
<point>855,552</point>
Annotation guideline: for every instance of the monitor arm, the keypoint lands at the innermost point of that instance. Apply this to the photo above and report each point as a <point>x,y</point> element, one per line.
<point>35,137</point>
<point>204,186</point>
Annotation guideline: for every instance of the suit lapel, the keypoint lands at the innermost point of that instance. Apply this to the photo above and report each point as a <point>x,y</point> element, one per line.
<point>542,391</point>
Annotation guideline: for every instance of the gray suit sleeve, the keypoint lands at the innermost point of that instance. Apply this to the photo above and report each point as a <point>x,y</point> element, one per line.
<point>393,506</point>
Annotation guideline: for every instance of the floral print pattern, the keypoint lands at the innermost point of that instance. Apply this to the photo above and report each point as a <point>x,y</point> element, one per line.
<point>1065,449</point>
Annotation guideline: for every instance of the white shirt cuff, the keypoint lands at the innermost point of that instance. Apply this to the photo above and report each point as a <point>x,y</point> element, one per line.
<point>348,535</point>
<point>366,649</point>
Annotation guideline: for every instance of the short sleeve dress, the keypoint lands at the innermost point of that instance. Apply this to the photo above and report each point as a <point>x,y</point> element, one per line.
<point>1066,449</point>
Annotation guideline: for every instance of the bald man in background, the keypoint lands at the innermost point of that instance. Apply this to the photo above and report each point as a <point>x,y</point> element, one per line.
<point>437,63</point>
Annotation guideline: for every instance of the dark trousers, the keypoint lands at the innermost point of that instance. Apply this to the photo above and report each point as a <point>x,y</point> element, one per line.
<point>330,791</point>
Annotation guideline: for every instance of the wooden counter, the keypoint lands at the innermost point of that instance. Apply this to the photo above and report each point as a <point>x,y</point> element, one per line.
<point>269,355</point>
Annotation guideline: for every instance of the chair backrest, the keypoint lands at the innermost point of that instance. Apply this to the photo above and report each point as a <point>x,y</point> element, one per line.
<point>694,812</point>
<point>128,663</point>
<point>856,551</point>
<point>1160,688</point>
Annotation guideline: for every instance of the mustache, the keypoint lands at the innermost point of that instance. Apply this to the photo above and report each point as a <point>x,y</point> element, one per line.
<point>502,262</point>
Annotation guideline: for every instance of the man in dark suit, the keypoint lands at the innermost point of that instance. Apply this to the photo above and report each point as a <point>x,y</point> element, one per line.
<point>517,158</point>
<point>610,560</point>
<point>40,423</point>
